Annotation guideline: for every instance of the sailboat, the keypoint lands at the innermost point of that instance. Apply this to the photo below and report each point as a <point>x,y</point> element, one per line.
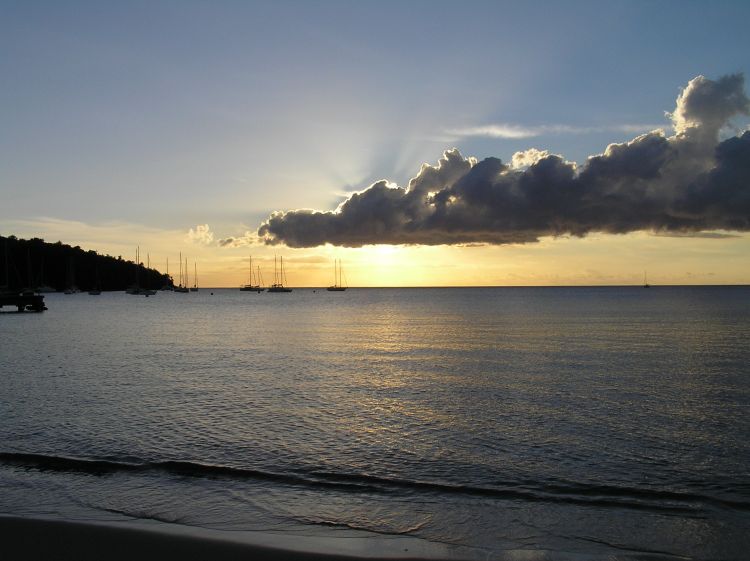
<point>194,288</point>
<point>170,285</point>
<point>645,281</point>
<point>257,287</point>
<point>180,287</point>
<point>279,278</point>
<point>97,290</point>
<point>148,291</point>
<point>136,289</point>
<point>337,284</point>
<point>72,288</point>
<point>44,288</point>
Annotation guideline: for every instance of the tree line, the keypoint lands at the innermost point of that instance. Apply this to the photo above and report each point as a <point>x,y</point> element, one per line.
<point>35,264</point>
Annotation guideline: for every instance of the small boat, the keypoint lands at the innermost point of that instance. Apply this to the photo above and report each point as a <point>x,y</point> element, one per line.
<point>72,288</point>
<point>136,289</point>
<point>170,286</point>
<point>194,288</point>
<point>645,281</point>
<point>96,291</point>
<point>337,284</point>
<point>180,288</point>
<point>279,278</point>
<point>44,288</point>
<point>255,284</point>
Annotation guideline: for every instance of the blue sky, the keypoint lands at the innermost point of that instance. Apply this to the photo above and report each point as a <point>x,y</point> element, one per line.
<point>171,114</point>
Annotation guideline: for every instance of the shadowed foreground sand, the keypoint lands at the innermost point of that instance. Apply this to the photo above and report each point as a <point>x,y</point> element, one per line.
<point>33,539</point>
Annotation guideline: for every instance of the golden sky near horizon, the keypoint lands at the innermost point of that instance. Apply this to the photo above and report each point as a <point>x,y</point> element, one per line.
<point>598,259</point>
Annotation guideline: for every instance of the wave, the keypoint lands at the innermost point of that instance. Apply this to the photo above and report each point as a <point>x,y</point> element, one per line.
<point>45,462</point>
<point>603,496</point>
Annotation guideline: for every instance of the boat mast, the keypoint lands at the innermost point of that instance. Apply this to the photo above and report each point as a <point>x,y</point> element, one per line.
<point>7,281</point>
<point>71,273</point>
<point>28,268</point>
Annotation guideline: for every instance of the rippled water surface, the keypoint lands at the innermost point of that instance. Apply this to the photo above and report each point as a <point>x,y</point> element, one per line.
<point>603,421</point>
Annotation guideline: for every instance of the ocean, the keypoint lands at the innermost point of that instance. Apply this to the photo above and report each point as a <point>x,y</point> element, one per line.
<point>602,422</point>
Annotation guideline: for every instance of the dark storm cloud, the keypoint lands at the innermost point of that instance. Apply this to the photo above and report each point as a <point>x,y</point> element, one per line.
<point>683,184</point>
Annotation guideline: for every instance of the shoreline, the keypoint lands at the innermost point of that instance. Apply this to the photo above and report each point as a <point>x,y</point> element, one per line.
<point>62,540</point>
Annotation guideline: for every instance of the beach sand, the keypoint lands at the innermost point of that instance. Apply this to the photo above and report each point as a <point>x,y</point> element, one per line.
<point>50,540</point>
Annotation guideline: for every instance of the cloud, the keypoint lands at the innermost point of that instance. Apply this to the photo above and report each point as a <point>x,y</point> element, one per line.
<point>705,235</point>
<point>504,130</point>
<point>527,158</point>
<point>202,235</point>
<point>248,238</point>
<point>686,183</point>
<point>708,105</point>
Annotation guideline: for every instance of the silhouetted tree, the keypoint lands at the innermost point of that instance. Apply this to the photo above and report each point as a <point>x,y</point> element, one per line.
<point>34,263</point>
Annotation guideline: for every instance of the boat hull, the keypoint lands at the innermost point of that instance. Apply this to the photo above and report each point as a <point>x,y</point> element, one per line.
<point>251,289</point>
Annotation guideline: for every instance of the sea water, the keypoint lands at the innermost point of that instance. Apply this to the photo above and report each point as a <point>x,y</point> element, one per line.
<point>572,421</point>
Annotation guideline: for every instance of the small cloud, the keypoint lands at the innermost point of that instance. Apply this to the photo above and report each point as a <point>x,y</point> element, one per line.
<point>495,131</point>
<point>248,238</point>
<point>504,130</point>
<point>202,235</point>
<point>527,158</point>
<point>706,235</point>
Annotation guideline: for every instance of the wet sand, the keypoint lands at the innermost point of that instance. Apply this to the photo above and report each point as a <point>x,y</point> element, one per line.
<point>36,539</point>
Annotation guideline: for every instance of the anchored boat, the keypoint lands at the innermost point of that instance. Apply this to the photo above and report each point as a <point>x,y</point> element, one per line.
<point>279,278</point>
<point>337,284</point>
<point>255,284</point>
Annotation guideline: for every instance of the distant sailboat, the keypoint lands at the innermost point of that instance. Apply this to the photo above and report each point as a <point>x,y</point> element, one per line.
<point>279,278</point>
<point>71,288</point>
<point>44,288</point>
<point>29,290</point>
<point>97,290</point>
<point>180,288</point>
<point>170,285</point>
<point>136,289</point>
<point>194,288</point>
<point>338,286</point>
<point>147,291</point>
<point>258,282</point>
<point>645,281</point>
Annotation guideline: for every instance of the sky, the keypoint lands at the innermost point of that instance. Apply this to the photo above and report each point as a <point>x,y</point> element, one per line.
<point>184,126</point>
